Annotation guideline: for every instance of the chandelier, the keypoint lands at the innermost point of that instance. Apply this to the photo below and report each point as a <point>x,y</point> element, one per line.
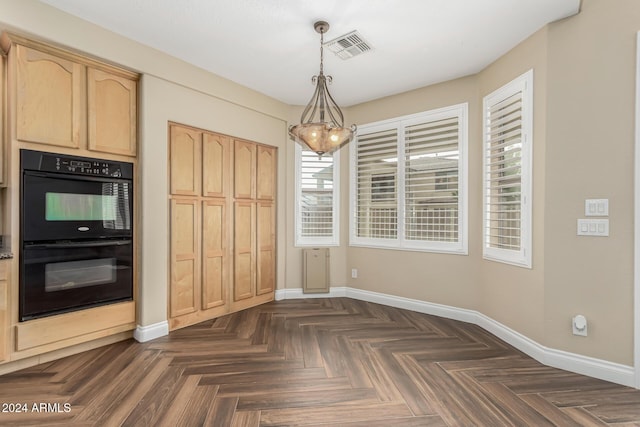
<point>321,126</point>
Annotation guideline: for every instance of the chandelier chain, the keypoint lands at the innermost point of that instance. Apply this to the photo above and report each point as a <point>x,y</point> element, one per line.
<point>321,51</point>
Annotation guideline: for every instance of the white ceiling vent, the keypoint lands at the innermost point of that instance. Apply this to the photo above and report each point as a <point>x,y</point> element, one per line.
<point>348,45</point>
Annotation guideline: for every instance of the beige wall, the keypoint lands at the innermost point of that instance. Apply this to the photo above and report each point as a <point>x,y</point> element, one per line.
<point>590,151</point>
<point>437,278</point>
<point>161,102</point>
<point>583,147</point>
<point>171,90</point>
<point>514,296</point>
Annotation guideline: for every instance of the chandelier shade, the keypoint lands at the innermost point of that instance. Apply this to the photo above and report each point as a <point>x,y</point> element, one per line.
<point>321,127</point>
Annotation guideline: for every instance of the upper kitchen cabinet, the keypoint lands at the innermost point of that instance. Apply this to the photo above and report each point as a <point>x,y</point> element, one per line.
<point>49,98</point>
<point>112,113</point>
<point>64,99</point>
<point>3,115</point>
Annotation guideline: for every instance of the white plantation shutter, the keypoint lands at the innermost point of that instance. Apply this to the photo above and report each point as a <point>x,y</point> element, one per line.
<point>376,184</point>
<point>507,159</point>
<point>419,202</point>
<point>504,189</point>
<point>316,210</point>
<point>431,180</point>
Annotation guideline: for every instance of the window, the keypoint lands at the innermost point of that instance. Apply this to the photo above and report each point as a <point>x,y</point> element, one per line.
<point>508,118</point>
<point>316,198</point>
<point>419,202</point>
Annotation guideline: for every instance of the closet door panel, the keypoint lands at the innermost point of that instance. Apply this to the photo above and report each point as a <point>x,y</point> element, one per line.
<point>244,169</point>
<point>244,253</point>
<point>266,250</point>
<point>214,254</point>
<point>215,165</point>
<point>266,173</point>
<point>185,278</point>
<point>185,160</point>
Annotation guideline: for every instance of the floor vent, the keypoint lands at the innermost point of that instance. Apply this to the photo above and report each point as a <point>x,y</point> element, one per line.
<point>315,270</point>
<point>348,45</point>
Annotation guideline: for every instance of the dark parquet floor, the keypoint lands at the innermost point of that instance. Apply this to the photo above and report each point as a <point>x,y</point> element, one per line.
<point>314,362</point>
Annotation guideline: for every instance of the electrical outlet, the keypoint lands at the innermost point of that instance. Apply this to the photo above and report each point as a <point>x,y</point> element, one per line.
<point>354,273</point>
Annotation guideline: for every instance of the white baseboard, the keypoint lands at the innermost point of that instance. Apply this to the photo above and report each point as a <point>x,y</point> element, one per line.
<point>584,365</point>
<point>297,293</point>
<point>150,332</point>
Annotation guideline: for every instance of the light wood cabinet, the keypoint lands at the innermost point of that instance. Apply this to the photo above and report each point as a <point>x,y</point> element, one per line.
<point>112,110</point>
<point>254,219</point>
<point>49,98</point>
<point>244,254</point>
<point>60,101</point>
<point>216,151</point>
<point>215,254</point>
<point>219,178</point>
<point>245,169</point>
<point>184,161</point>
<point>3,117</point>
<point>266,171</point>
<point>199,167</point>
<point>266,248</point>
<point>185,271</point>
<point>68,100</point>
<point>4,308</point>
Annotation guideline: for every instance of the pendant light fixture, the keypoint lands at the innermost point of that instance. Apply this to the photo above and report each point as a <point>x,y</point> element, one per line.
<point>321,127</point>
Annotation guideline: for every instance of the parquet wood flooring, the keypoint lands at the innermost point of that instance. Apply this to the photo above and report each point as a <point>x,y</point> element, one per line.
<point>314,362</point>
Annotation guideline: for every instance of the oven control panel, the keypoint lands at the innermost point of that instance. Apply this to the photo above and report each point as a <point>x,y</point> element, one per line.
<point>56,163</point>
<point>97,168</point>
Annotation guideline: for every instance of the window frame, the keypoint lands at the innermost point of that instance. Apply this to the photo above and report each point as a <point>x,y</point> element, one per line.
<point>400,242</point>
<point>523,256</point>
<point>317,241</point>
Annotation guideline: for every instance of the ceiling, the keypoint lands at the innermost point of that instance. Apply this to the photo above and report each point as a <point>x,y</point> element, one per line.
<point>271,46</point>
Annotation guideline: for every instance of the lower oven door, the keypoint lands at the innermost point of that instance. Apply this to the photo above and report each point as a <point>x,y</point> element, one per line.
<point>61,277</point>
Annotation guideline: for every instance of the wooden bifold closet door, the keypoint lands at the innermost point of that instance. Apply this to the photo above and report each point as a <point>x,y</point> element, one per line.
<point>222,193</point>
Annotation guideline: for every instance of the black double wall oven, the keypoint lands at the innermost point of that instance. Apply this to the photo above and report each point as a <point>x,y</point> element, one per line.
<point>76,233</point>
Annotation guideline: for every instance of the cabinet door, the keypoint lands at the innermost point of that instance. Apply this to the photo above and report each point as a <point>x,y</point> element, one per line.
<point>244,169</point>
<point>266,185</point>
<point>215,165</point>
<point>266,253</point>
<point>244,252</point>
<point>185,161</point>
<point>185,279</point>
<point>214,254</point>
<point>49,99</point>
<point>2,117</point>
<point>4,320</point>
<point>112,113</point>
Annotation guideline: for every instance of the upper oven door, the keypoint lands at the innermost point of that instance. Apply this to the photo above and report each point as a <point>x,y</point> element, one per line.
<point>66,207</point>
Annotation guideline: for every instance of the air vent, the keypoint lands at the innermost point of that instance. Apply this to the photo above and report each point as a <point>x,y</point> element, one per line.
<point>348,45</point>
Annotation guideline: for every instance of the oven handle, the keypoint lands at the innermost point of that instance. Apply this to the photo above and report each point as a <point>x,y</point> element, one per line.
<point>74,245</point>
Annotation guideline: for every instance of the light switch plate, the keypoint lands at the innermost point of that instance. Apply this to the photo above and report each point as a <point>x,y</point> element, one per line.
<point>593,227</point>
<point>596,207</point>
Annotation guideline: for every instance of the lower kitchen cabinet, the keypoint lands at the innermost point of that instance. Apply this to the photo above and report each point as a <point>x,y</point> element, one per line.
<point>4,304</point>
